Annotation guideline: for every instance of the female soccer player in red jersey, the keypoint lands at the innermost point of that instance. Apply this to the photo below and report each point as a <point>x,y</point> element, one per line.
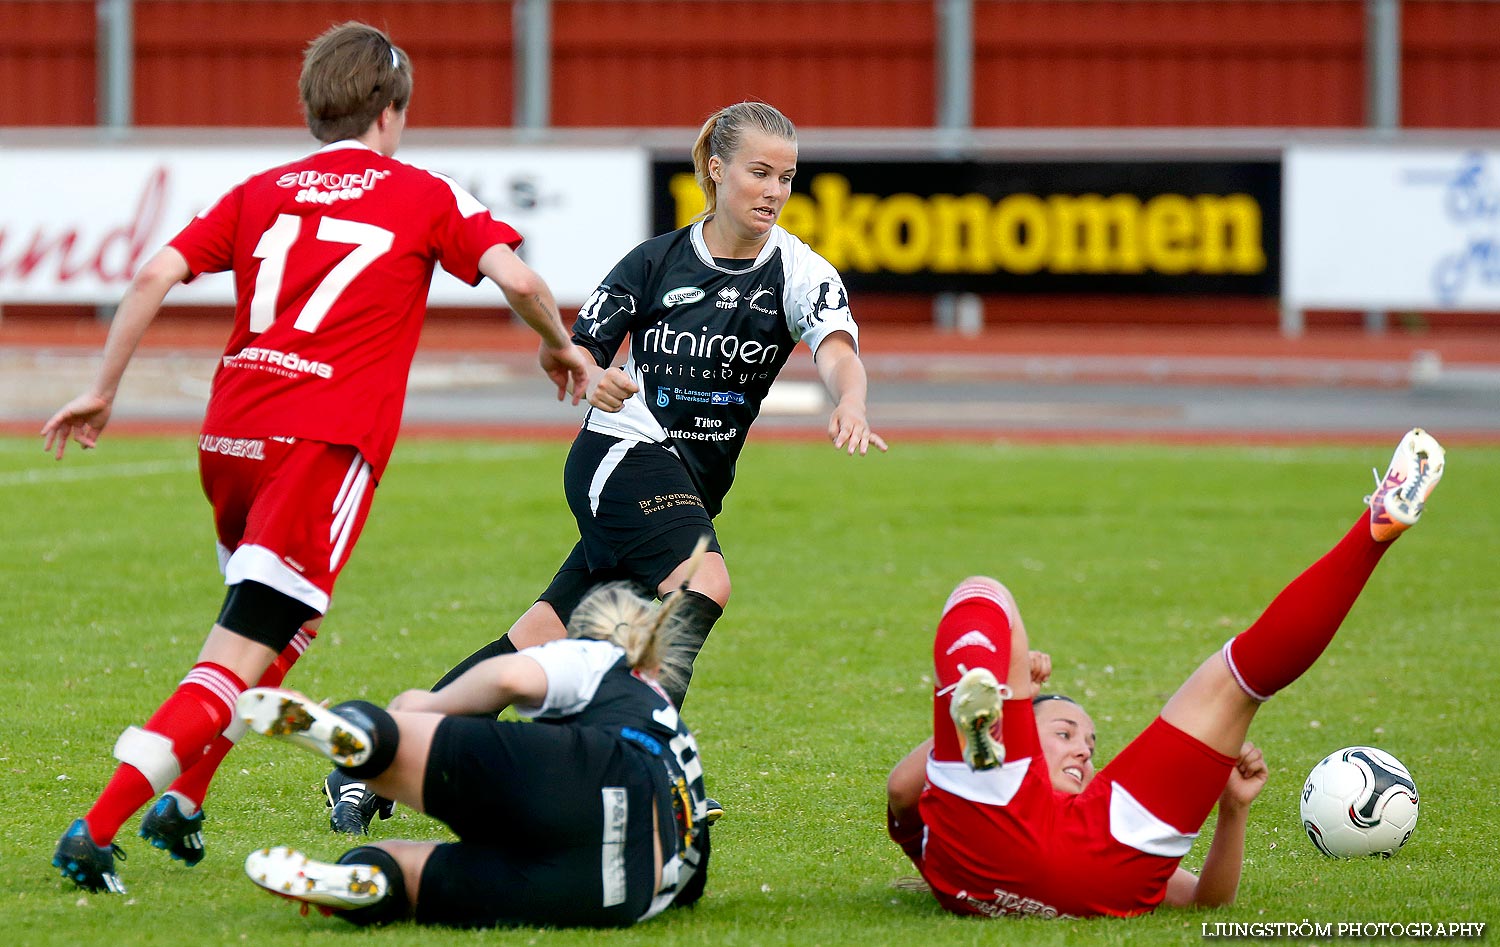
<point>1021,823</point>
<point>332,256</point>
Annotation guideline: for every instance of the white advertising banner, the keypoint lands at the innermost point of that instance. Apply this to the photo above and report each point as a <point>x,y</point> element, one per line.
<point>75,223</point>
<point>1391,228</point>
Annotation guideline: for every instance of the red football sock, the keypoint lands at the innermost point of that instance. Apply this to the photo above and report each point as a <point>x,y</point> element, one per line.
<point>126,791</point>
<point>974,632</point>
<point>1296,627</point>
<point>199,710</point>
<point>193,784</point>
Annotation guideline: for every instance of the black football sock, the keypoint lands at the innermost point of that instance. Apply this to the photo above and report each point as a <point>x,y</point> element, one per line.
<point>494,649</point>
<point>697,615</point>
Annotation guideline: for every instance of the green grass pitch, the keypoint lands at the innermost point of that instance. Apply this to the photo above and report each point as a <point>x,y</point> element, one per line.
<point>1131,564</point>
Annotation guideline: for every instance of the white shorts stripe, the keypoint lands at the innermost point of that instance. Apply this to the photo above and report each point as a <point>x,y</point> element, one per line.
<point>348,479</point>
<point>346,515</point>
<point>606,467</point>
<point>348,496</point>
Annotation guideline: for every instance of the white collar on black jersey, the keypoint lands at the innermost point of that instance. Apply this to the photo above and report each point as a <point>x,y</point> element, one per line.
<point>773,240</point>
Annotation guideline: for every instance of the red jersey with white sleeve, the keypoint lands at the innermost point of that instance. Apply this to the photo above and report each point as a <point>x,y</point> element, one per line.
<point>332,257</point>
<point>1004,841</point>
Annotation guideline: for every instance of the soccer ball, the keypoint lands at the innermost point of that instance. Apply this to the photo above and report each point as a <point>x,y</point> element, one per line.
<point>1359,801</point>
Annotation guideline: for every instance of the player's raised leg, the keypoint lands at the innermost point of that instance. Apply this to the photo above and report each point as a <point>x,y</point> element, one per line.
<point>352,804</point>
<point>980,658</point>
<point>1218,701</point>
<point>387,750</point>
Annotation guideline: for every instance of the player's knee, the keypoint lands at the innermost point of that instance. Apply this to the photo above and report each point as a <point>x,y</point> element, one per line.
<point>263,614</point>
<point>711,580</point>
<point>397,904</point>
<point>982,586</point>
<point>720,589</point>
<point>982,582</point>
<point>719,577</point>
<point>385,735</point>
<point>540,623</point>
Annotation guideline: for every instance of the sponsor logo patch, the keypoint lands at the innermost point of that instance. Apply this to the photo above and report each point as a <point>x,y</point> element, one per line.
<point>251,448</point>
<point>761,293</point>
<point>288,364</point>
<point>665,396</point>
<point>318,187</point>
<point>681,296</point>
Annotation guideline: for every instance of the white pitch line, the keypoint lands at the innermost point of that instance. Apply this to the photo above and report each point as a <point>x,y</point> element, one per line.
<point>19,478</point>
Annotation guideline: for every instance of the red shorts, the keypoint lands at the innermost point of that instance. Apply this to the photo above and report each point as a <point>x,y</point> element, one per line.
<point>1003,841</point>
<point>287,512</point>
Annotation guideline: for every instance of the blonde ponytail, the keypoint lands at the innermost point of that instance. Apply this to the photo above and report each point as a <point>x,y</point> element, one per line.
<point>616,612</point>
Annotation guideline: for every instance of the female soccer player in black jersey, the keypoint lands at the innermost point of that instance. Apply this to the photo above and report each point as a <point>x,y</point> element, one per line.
<point>593,815</point>
<point>713,311</point>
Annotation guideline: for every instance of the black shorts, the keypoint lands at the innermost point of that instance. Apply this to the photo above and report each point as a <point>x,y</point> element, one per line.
<point>639,517</point>
<point>554,822</point>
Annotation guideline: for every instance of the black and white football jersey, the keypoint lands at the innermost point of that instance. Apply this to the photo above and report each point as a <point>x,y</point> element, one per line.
<point>590,683</point>
<point>707,339</point>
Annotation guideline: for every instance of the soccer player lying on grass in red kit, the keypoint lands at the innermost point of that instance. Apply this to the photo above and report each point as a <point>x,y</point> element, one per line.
<point>1002,811</point>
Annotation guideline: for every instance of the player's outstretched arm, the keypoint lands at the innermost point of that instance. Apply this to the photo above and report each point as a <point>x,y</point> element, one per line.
<point>531,299</point>
<point>568,368</point>
<point>1219,881</point>
<point>843,374</point>
<point>83,419</point>
<point>485,689</point>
